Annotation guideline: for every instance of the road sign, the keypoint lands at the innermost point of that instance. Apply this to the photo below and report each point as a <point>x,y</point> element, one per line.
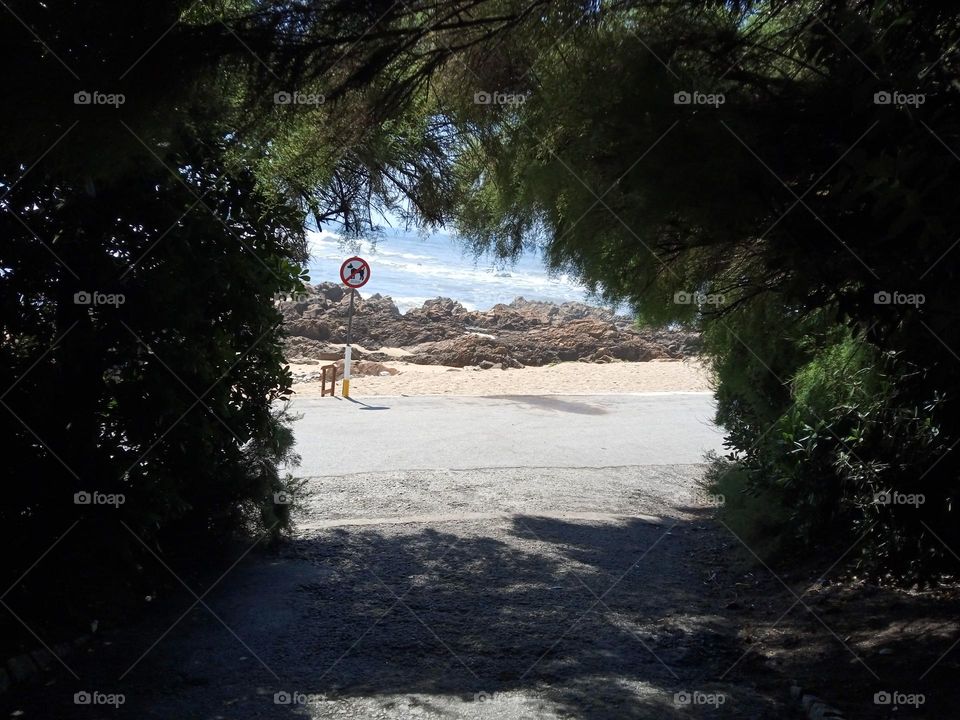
<point>355,272</point>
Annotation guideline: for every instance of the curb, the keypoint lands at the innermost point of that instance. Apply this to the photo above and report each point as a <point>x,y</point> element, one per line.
<point>814,707</point>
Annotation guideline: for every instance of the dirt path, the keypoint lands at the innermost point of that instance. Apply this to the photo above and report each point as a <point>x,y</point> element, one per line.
<point>551,593</point>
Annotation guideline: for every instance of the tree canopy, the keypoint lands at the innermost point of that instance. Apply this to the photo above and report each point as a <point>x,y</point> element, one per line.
<point>777,174</point>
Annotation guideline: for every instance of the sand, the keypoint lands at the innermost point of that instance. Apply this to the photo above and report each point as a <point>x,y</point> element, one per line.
<point>568,378</point>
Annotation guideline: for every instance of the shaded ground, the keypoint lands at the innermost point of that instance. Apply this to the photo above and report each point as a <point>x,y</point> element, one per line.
<point>861,646</point>
<point>584,591</point>
<point>499,613</point>
<point>603,614</point>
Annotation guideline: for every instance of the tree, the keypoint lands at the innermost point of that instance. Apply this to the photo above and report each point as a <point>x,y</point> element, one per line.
<point>154,191</point>
<point>778,174</point>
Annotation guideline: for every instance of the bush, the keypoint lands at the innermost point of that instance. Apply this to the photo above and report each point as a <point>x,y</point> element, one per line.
<point>756,514</point>
<point>169,396</point>
<point>853,455</point>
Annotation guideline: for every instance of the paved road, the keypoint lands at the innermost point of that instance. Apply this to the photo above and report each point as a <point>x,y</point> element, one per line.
<point>514,558</point>
<point>337,436</point>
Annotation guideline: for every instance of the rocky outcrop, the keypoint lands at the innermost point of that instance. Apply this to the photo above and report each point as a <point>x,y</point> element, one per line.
<point>443,332</point>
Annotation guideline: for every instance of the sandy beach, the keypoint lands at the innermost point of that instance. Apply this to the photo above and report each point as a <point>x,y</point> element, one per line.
<point>566,378</point>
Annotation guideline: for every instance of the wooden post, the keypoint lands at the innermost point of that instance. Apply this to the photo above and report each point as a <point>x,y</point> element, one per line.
<point>323,379</point>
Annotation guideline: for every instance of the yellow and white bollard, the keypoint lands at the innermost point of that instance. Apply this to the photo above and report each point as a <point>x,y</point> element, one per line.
<point>346,372</point>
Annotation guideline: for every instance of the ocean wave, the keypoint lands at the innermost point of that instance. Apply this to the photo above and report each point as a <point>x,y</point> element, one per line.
<point>401,263</point>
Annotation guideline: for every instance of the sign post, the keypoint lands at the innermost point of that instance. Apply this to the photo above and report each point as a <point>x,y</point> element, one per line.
<point>354,273</point>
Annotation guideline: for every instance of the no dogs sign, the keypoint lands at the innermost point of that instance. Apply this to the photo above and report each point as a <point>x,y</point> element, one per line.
<point>355,272</point>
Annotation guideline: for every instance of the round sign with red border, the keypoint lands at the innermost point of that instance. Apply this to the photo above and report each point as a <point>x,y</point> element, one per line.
<point>355,272</point>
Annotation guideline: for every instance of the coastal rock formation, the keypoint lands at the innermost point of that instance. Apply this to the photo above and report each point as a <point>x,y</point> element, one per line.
<point>443,332</point>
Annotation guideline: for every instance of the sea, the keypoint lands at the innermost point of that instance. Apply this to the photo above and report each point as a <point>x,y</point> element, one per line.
<point>411,268</point>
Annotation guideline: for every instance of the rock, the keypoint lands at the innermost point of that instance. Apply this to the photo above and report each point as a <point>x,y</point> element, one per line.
<point>21,668</point>
<point>333,292</point>
<point>365,367</point>
<point>822,711</point>
<point>486,365</point>
<point>42,658</point>
<point>443,332</point>
<point>312,329</point>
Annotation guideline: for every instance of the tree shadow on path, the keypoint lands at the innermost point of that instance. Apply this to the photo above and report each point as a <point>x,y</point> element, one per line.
<point>525,617</point>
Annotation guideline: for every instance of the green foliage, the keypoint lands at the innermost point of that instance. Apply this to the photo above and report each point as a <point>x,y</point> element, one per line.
<point>784,213</point>
<point>756,515</point>
<point>843,456</point>
<point>171,398</point>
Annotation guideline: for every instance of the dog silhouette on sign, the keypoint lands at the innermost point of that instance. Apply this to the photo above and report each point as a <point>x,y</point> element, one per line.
<point>356,272</point>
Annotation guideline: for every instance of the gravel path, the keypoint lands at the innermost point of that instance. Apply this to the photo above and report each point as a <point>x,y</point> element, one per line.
<point>503,593</point>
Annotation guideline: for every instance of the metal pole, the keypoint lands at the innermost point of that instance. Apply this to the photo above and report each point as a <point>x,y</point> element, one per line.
<point>346,352</point>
